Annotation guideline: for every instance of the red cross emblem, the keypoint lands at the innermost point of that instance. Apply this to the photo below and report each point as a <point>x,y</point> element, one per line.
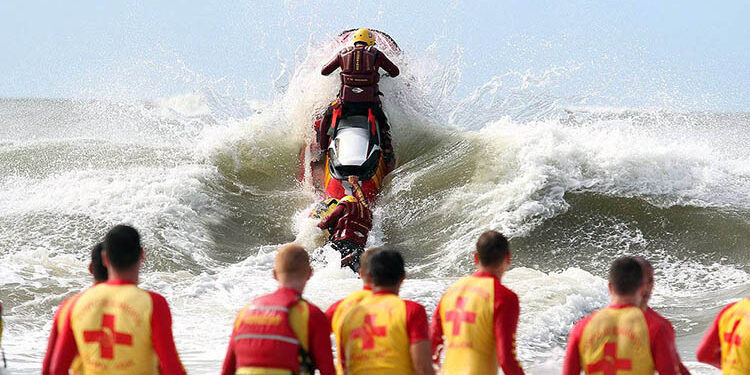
<point>733,338</point>
<point>367,332</point>
<point>107,337</point>
<point>610,363</point>
<point>460,315</point>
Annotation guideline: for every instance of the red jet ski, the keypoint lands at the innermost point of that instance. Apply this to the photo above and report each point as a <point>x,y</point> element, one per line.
<point>351,147</point>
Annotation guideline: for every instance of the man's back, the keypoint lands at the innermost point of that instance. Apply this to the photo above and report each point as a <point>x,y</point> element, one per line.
<point>475,315</point>
<point>621,338</point>
<point>376,335</point>
<point>338,311</point>
<point>118,328</point>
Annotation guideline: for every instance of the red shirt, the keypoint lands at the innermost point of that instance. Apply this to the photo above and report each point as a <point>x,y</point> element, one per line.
<point>319,341</point>
<point>161,338</point>
<point>53,335</point>
<point>506,313</point>
<point>666,323</point>
<point>661,342</point>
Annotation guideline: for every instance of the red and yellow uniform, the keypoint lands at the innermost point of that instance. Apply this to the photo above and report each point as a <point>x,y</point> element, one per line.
<point>57,327</point>
<point>117,328</point>
<point>377,334</point>
<point>478,317</point>
<point>620,340</point>
<point>338,311</point>
<point>269,332</point>
<point>668,324</point>
<point>727,343</point>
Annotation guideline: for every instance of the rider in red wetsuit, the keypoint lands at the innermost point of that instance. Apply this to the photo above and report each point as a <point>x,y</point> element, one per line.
<point>359,85</point>
<point>478,316</point>
<point>281,333</point>
<point>622,336</point>
<point>349,225</point>
<point>116,327</point>
<point>97,269</point>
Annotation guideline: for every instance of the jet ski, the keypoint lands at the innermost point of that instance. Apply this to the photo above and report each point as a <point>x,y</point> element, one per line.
<point>351,146</point>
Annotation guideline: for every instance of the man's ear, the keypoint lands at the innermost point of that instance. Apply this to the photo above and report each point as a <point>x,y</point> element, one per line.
<point>309,275</point>
<point>91,268</point>
<point>105,259</point>
<point>476,259</point>
<point>275,276</point>
<point>611,290</point>
<point>143,255</point>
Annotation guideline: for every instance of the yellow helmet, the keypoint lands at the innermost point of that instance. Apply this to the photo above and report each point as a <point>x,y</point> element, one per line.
<point>348,198</point>
<point>364,36</point>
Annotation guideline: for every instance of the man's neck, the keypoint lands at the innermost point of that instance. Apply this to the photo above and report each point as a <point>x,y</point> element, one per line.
<point>127,275</point>
<point>387,289</point>
<point>496,271</point>
<point>625,300</point>
<point>299,286</point>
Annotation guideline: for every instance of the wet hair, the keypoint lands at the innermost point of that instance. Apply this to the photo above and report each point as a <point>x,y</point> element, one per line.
<point>626,275</point>
<point>123,246</point>
<point>492,248</point>
<point>292,259</point>
<point>387,268</point>
<point>97,266</point>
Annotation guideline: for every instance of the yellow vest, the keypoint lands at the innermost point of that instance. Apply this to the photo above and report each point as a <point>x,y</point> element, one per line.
<point>112,329</point>
<point>344,307</point>
<point>616,341</point>
<point>374,338</point>
<point>467,317</point>
<point>734,335</point>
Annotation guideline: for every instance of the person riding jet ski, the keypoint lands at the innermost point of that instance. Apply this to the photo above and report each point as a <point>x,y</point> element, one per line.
<point>349,225</point>
<point>359,86</point>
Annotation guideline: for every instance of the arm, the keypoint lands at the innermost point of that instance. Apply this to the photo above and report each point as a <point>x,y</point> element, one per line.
<point>388,65</point>
<point>709,350</point>
<point>331,66</point>
<point>436,334</point>
<point>230,360</point>
<point>319,332</point>
<point>572,362</point>
<point>420,348</point>
<point>331,311</point>
<point>663,350</point>
<point>331,220</point>
<point>51,341</point>
<point>421,357</point>
<point>161,337</point>
<point>65,349</point>
<point>507,310</point>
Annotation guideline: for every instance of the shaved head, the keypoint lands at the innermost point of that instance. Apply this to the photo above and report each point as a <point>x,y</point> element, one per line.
<point>292,263</point>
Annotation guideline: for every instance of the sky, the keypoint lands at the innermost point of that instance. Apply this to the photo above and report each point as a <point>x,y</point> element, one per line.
<point>674,54</point>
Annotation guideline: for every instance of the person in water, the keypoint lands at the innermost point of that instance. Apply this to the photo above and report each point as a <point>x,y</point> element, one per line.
<point>726,344</point>
<point>476,319</point>
<point>339,310</point>
<point>648,282</point>
<point>349,225</point>
<point>116,327</point>
<point>385,334</point>
<point>622,336</point>
<point>360,64</point>
<point>100,274</point>
<point>282,333</point>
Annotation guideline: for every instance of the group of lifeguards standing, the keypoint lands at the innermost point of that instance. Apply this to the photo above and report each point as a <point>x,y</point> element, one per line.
<point>115,327</point>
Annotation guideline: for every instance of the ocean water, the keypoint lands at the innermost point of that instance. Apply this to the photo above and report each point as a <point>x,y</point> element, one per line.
<point>211,183</point>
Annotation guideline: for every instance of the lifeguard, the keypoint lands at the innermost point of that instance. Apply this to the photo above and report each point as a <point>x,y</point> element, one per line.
<point>622,338</point>
<point>726,345</point>
<point>476,320</point>
<point>281,333</point>
<point>385,334</point>
<point>116,327</point>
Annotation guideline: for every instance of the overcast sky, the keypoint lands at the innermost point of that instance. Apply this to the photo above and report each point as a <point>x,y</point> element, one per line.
<point>684,54</point>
